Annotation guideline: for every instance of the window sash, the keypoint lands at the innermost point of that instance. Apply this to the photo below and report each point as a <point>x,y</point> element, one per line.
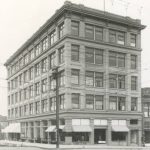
<point>75,28</point>
<point>75,53</point>
<point>121,103</point>
<point>75,100</point>
<point>99,79</point>
<point>74,76</point>
<point>113,103</point>
<point>99,102</point>
<point>133,104</point>
<point>98,56</point>
<point>112,81</point>
<point>89,31</point>
<point>98,33</point>
<point>89,78</point>
<point>121,81</point>
<point>90,101</point>
<point>133,61</point>
<point>89,55</point>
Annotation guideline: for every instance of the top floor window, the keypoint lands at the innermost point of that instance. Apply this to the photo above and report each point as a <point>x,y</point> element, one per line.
<point>37,49</point>
<point>26,59</point>
<point>45,44</point>
<point>31,53</point>
<point>61,30</point>
<point>53,37</point>
<point>75,28</point>
<point>116,37</point>
<point>133,40</point>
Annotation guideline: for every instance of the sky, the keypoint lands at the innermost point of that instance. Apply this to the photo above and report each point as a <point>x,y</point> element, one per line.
<point>19,19</point>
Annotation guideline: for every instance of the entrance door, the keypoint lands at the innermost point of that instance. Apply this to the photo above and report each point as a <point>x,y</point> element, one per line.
<point>99,136</point>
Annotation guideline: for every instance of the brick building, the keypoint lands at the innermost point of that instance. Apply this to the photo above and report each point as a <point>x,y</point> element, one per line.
<point>99,59</point>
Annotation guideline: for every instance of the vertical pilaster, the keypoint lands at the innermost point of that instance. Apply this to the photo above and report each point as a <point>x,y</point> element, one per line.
<point>67,26</point>
<point>82,29</point>
<point>109,133</point>
<point>128,134</point>
<point>68,129</point>
<point>35,131</point>
<point>106,35</point>
<point>92,133</point>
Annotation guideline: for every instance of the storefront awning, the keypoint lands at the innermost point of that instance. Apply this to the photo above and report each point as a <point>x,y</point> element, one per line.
<point>120,128</point>
<point>53,128</point>
<point>12,128</point>
<point>81,128</point>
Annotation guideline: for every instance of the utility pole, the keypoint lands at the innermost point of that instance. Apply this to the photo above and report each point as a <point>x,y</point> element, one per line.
<point>55,76</point>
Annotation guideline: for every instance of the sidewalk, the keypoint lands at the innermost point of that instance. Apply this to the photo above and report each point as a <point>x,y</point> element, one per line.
<point>48,146</point>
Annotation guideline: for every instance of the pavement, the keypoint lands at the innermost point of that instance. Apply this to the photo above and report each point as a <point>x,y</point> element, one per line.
<point>40,146</point>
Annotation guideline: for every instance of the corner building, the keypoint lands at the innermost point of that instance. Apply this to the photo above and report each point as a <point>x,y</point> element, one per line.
<point>99,59</point>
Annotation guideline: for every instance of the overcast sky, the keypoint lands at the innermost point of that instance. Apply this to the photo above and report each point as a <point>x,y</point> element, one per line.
<point>19,19</point>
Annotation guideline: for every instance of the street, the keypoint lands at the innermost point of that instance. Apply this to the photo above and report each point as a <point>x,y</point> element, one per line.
<point>19,148</point>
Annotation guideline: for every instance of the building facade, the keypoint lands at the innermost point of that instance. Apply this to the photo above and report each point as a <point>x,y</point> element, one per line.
<point>99,59</point>
<point>146,114</point>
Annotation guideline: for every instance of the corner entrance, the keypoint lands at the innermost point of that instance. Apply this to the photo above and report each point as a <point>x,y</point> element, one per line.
<point>99,136</point>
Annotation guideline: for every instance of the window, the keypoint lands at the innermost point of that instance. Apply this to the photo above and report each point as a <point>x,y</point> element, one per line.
<point>116,59</point>
<point>75,76</point>
<point>62,101</point>
<point>146,109</point>
<point>61,79</point>
<point>116,37</point>
<point>74,52</point>
<point>31,108</point>
<point>113,103</point>
<point>8,100</point>
<point>99,79</point>
<point>37,107</point>
<point>25,93</point>
<point>99,102</point>
<point>121,81</point>
<point>75,100</point>
<point>20,79</point>
<point>61,55</point>
<point>133,40</point>
<point>16,112</point>
<point>53,37</point>
<point>37,50</point>
<point>98,33</point>
<point>112,81</point>
<point>121,103</point>
<point>26,59</point>
<point>31,91</point>
<point>89,31</point>
<point>21,95</point>
<point>31,73</point>
<point>75,28</point>
<point>52,83</point>
<point>98,56</point>
<point>25,109</point>
<point>89,77</point>
<point>44,86</point>
<point>133,121</point>
<point>52,60</point>
<point>21,63</point>
<point>98,122</point>
<point>61,30</point>
<point>44,65</point>
<point>89,55</point>
<point>133,103</point>
<point>80,122</point>
<point>133,61</point>
<point>16,97</point>
<point>31,54</point>
<point>26,76</point>
<point>45,44</point>
<point>121,60</point>
<point>89,101</point>
<point>133,83</point>
<point>44,105</point>
<point>21,111</point>
<point>37,69</point>
<point>12,98</point>
<point>37,88</point>
<point>53,104</point>
<point>117,103</point>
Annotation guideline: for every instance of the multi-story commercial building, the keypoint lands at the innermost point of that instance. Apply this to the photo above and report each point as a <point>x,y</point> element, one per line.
<point>99,59</point>
<point>146,114</point>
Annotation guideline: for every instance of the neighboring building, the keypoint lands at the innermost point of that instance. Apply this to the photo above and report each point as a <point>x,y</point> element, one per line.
<point>146,113</point>
<point>99,59</point>
<point>3,124</point>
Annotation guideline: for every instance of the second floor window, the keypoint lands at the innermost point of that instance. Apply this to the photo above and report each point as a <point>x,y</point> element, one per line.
<point>44,86</point>
<point>37,88</point>
<point>75,28</point>
<point>133,103</point>
<point>31,108</point>
<point>37,107</point>
<point>75,100</point>
<point>44,105</point>
<point>89,101</point>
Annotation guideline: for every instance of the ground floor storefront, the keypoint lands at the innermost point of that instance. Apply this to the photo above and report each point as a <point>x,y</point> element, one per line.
<point>81,131</point>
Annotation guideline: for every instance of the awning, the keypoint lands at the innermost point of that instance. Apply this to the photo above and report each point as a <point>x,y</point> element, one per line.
<point>12,128</point>
<point>81,128</point>
<point>53,128</point>
<point>120,128</point>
